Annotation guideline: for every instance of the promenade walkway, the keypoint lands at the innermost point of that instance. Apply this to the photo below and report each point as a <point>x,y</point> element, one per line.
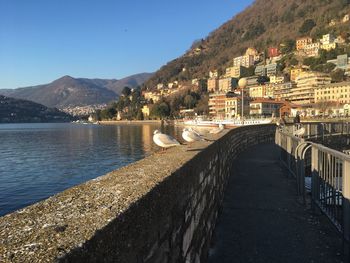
<point>263,221</point>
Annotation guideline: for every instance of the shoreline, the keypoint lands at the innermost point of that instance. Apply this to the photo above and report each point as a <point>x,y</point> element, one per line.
<point>130,122</point>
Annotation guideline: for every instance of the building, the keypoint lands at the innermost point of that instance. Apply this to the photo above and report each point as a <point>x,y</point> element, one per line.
<point>342,62</point>
<point>273,52</point>
<point>334,92</point>
<point>252,81</point>
<point>152,96</point>
<point>276,79</point>
<point>261,91</point>
<point>312,49</point>
<point>160,86</point>
<point>346,18</point>
<point>301,42</point>
<point>233,107</point>
<point>282,91</point>
<point>213,84</point>
<point>294,73</point>
<point>327,39</point>
<point>260,70</point>
<point>253,52</point>
<point>234,72</point>
<point>244,61</point>
<point>307,82</point>
<point>329,46</point>
<point>226,84</point>
<point>268,70</point>
<point>217,104</point>
<point>213,74</point>
<point>146,109</point>
<point>265,107</point>
<point>271,69</point>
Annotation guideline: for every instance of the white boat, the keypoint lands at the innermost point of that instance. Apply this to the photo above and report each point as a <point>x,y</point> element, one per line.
<point>226,122</point>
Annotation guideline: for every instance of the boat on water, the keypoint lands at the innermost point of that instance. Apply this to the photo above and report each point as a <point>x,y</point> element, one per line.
<point>226,122</point>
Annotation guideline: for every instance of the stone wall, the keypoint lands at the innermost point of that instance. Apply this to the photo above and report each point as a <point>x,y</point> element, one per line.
<point>160,209</point>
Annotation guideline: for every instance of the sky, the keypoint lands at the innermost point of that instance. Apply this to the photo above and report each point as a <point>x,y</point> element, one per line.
<point>42,40</point>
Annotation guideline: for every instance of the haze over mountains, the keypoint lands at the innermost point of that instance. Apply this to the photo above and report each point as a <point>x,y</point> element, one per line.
<point>68,91</point>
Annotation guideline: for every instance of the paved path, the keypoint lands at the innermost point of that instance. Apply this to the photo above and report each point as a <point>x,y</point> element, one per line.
<point>262,220</point>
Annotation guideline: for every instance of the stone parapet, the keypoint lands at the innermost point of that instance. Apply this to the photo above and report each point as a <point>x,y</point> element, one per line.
<point>160,209</point>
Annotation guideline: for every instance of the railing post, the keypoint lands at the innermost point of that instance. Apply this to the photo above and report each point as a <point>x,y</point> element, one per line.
<point>289,152</point>
<point>315,177</point>
<point>346,207</point>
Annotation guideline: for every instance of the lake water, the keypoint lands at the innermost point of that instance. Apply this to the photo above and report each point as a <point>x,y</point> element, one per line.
<point>40,160</point>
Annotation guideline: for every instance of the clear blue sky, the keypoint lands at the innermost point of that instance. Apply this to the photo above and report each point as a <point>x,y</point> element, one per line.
<point>42,40</point>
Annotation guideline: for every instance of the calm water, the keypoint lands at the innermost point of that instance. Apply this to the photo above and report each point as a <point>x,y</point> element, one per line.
<point>39,160</point>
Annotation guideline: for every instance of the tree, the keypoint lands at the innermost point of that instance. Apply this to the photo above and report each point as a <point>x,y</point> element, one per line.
<point>160,110</point>
<point>338,75</point>
<point>287,46</point>
<point>189,101</point>
<point>307,26</point>
<point>139,115</point>
<point>247,72</point>
<point>126,91</point>
<point>202,107</point>
<point>262,80</point>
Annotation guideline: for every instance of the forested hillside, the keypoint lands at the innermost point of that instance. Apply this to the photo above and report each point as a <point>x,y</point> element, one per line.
<point>264,24</point>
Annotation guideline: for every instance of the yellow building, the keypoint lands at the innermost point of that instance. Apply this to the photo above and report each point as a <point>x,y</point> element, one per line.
<point>213,84</point>
<point>307,82</point>
<point>336,92</point>
<point>276,79</point>
<point>253,52</point>
<point>294,73</point>
<point>261,91</point>
<point>312,49</point>
<point>233,107</point>
<point>244,61</point>
<point>146,110</point>
<point>225,84</point>
<point>301,42</point>
<point>233,72</point>
<point>265,107</point>
<point>329,46</point>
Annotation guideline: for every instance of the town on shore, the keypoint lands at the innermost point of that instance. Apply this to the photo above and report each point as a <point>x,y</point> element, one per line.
<point>307,77</point>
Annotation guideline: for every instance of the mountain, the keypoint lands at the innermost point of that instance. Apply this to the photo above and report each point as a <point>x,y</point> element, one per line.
<point>117,86</point>
<point>17,111</point>
<point>266,23</point>
<point>69,91</point>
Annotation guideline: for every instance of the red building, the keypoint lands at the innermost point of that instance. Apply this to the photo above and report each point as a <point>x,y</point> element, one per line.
<point>273,52</point>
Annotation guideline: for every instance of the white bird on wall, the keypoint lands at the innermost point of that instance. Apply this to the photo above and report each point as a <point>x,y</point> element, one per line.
<point>164,140</point>
<point>190,135</point>
<point>217,129</point>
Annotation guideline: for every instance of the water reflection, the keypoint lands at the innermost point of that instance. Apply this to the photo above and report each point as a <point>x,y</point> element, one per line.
<point>39,160</point>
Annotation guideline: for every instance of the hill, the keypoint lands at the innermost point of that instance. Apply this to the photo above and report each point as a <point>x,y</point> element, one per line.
<point>264,24</point>
<point>69,91</point>
<point>19,111</point>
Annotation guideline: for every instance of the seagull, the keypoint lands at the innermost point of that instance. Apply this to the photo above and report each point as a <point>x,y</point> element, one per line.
<point>190,135</point>
<point>164,140</point>
<point>300,132</point>
<point>217,129</point>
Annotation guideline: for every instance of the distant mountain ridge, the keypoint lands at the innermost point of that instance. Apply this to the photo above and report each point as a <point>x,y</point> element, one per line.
<point>20,111</point>
<point>68,91</point>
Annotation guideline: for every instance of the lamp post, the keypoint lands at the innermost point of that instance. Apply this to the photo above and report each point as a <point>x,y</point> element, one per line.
<point>242,83</point>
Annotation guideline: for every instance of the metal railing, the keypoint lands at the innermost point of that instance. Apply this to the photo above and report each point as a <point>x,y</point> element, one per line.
<point>320,170</point>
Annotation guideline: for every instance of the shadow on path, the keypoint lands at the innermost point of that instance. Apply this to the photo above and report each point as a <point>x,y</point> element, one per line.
<point>262,221</point>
